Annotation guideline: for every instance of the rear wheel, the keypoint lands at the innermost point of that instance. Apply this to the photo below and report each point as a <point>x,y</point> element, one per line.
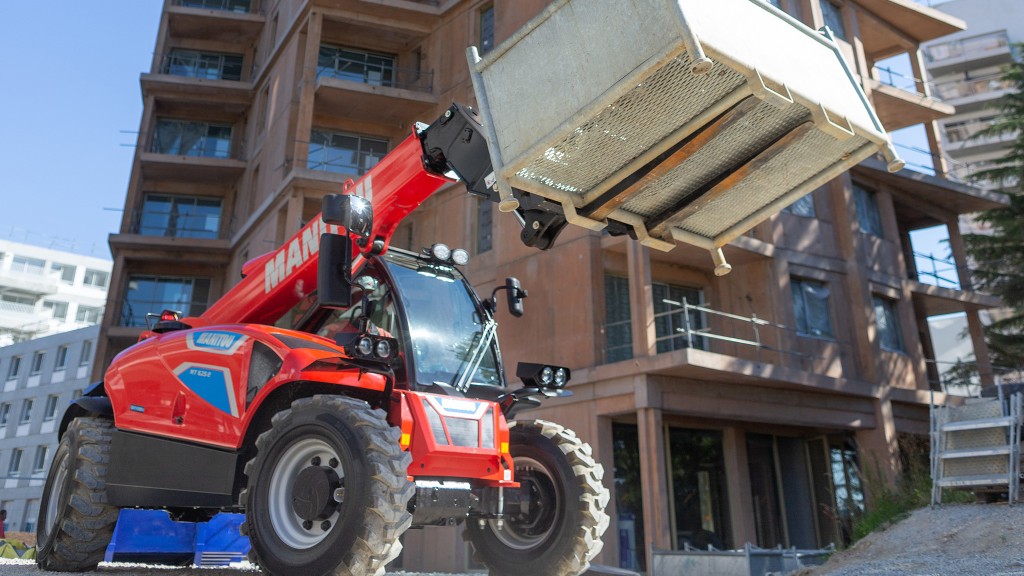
<point>554,521</point>
<point>75,522</point>
<point>328,490</point>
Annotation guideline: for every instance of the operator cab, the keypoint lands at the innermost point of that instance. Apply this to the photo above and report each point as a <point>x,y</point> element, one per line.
<point>446,337</point>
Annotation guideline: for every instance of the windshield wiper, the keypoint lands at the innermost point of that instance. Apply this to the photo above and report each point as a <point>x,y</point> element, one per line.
<point>474,359</point>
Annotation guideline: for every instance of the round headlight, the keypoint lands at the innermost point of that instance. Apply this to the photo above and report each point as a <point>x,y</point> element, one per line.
<point>560,377</point>
<point>460,257</point>
<point>546,375</point>
<point>364,347</point>
<point>441,252</point>
<point>383,349</point>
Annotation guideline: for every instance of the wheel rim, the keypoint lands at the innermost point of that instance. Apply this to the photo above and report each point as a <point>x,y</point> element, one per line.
<point>294,530</point>
<point>53,499</point>
<point>530,511</point>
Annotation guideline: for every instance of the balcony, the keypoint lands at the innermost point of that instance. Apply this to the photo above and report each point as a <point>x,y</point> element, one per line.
<point>899,103</point>
<point>190,169</point>
<point>962,139</point>
<point>891,27</point>
<point>935,286</point>
<point>194,77</point>
<point>968,95</point>
<point>20,317</point>
<point>214,20</point>
<point>38,283</point>
<point>350,89</point>
<point>992,49</point>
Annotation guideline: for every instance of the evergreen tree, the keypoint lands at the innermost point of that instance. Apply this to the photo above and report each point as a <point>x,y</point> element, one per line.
<point>999,256</point>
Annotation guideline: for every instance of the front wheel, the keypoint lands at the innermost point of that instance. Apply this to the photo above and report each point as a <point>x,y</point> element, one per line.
<point>328,490</point>
<point>75,522</point>
<point>554,521</point>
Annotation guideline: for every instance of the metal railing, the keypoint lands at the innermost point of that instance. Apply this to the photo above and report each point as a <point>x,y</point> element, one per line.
<point>975,46</point>
<point>238,6</point>
<point>963,89</point>
<point>891,77</point>
<point>204,65</point>
<point>941,272</point>
<point>379,74</point>
<point>175,224</point>
<point>15,308</point>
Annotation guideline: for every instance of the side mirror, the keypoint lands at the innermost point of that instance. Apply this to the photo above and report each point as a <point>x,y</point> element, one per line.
<point>515,297</point>
<point>353,213</point>
<point>334,271</point>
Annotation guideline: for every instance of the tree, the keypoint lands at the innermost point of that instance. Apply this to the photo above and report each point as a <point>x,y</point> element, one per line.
<point>999,256</point>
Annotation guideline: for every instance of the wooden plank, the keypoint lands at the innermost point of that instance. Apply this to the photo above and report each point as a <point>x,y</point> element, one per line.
<point>753,165</point>
<point>616,196</point>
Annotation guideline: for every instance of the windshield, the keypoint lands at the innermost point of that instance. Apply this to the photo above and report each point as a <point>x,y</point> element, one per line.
<point>451,342</point>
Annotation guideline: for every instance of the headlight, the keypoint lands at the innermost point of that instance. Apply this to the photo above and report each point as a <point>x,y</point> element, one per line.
<point>560,377</point>
<point>383,349</point>
<point>460,257</point>
<point>364,346</point>
<point>546,375</point>
<point>441,252</point>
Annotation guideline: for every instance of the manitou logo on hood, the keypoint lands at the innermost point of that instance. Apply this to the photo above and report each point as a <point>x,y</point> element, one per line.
<point>306,243</point>
<point>216,341</point>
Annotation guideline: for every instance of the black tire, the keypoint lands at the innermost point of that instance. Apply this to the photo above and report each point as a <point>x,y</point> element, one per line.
<point>553,525</point>
<point>75,522</point>
<point>312,449</point>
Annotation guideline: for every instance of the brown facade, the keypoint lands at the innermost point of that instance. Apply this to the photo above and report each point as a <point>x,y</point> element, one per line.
<point>749,408</point>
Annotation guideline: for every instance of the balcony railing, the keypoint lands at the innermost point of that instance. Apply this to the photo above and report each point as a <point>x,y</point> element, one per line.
<point>967,88</point>
<point>890,77</point>
<point>940,272</point>
<point>239,6</point>
<point>176,224</point>
<point>376,74</point>
<point>204,65</point>
<point>974,47</point>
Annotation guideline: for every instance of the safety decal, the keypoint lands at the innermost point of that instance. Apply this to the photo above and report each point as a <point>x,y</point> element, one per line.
<point>211,383</point>
<point>216,341</point>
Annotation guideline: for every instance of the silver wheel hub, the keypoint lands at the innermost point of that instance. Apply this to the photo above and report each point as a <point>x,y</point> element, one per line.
<point>303,498</point>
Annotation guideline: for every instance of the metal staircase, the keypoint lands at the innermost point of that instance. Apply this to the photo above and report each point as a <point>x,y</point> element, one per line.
<point>976,446</point>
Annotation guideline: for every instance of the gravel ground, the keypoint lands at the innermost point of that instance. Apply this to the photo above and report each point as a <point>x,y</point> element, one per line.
<point>952,540</point>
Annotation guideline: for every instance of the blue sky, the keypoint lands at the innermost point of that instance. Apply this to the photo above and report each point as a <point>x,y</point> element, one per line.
<point>69,113</point>
<point>70,106</point>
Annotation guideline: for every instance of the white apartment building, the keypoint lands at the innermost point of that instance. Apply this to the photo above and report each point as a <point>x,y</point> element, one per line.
<point>39,379</point>
<point>45,291</point>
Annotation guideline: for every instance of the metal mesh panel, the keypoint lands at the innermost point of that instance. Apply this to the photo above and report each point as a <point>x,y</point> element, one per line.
<point>977,466</point>
<point>977,438</point>
<point>808,156</point>
<point>976,410</point>
<point>738,142</point>
<point>631,125</point>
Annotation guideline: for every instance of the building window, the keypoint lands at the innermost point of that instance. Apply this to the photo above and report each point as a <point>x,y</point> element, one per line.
<point>670,320</point>
<point>804,206</point>
<point>26,411</point>
<point>31,515</point>
<point>14,368</point>
<point>344,153</point>
<point>5,413</point>
<point>37,363</point>
<point>811,308</point>
<point>96,278</point>
<point>192,139</point>
<point>65,271</point>
<point>832,14</point>
<point>15,467</point>
<point>146,294</point>
<point>179,216</point>
<point>868,217</point>
<point>50,410</point>
<point>57,310</point>
<point>484,225</point>
<point>487,29</point>
<point>887,319</point>
<point>88,314</point>
<point>243,6</point>
<point>39,464</point>
<point>618,330</point>
<point>356,65</point>
<point>26,265</point>
<point>86,356</point>
<point>207,65</point>
<point>61,361</point>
